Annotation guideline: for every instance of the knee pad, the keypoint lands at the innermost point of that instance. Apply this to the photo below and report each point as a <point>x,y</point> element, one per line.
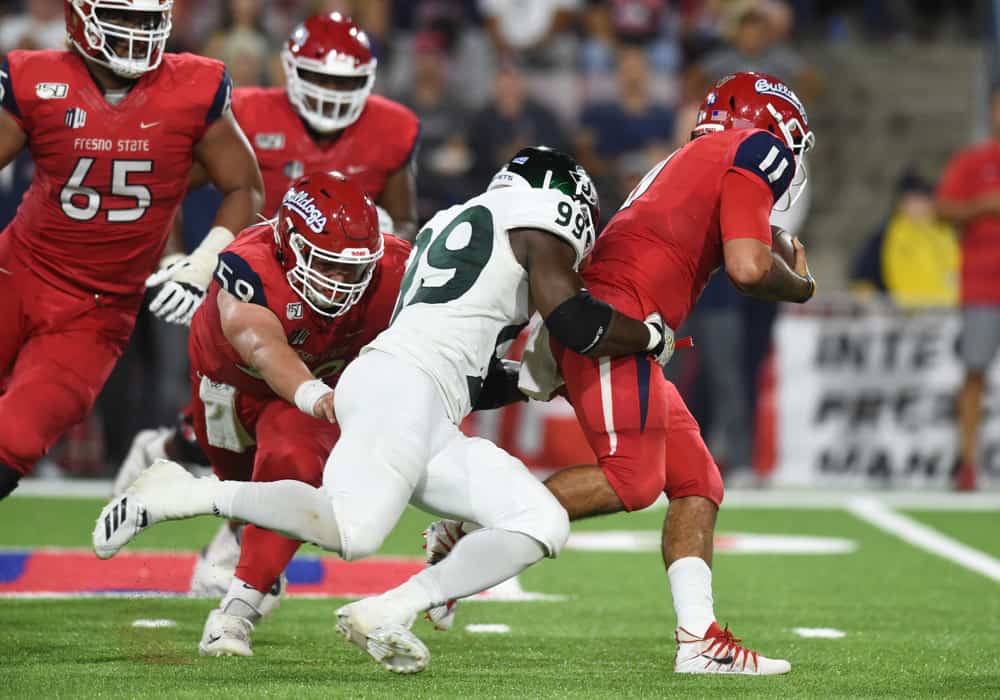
<point>547,523</point>
<point>638,485</point>
<point>9,479</point>
<point>359,541</point>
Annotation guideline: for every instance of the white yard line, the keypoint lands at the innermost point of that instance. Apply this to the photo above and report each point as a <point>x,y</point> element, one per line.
<point>877,513</point>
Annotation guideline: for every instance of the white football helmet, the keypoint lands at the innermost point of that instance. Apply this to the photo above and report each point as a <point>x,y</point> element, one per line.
<point>100,36</point>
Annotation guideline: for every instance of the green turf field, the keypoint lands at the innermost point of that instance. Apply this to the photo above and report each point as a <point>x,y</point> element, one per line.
<point>916,625</point>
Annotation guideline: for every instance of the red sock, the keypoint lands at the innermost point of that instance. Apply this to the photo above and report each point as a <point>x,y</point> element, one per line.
<point>263,556</point>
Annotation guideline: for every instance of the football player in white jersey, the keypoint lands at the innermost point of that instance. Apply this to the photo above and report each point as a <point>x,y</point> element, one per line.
<point>476,274</point>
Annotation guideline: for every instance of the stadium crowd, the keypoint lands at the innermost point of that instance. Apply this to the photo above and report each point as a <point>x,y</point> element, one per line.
<point>616,82</point>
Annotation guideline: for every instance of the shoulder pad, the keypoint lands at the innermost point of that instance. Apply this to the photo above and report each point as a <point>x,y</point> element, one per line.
<point>235,275</point>
<point>546,210</point>
<point>769,158</point>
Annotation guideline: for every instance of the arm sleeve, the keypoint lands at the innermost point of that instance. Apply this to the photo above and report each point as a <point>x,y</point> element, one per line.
<point>768,159</point>
<point>745,210</point>
<point>222,102</point>
<point>954,182</point>
<point>7,97</point>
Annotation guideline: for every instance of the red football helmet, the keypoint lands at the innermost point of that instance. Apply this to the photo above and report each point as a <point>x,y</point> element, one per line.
<point>334,47</point>
<point>327,237</point>
<point>759,101</point>
<point>130,49</point>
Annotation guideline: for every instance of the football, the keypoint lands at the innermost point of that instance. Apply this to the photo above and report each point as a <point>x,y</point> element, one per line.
<point>781,243</point>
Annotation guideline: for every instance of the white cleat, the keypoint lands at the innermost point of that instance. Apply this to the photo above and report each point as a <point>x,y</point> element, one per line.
<point>216,566</point>
<point>391,643</point>
<point>720,652</point>
<point>440,538</point>
<point>147,446</point>
<point>226,635</point>
<point>162,492</point>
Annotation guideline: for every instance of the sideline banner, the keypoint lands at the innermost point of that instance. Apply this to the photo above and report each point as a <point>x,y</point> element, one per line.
<point>869,401</point>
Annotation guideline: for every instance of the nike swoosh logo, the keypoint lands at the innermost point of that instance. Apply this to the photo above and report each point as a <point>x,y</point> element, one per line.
<point>144,125</point>
<point>214,638</point>
<point>721,660</point>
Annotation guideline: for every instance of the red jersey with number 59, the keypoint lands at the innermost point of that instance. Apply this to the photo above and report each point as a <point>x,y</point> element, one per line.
<point>658,252</point>
<point>108,178</point>
<point>368,151</point>
<point>249,270</point>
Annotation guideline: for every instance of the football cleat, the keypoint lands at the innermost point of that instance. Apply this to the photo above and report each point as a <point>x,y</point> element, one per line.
<point>147,446</point>
<point>225,635</point>
<point>162,492</point>
<point>720,652</point>
<point>383,636</point>
<point>439,539</point>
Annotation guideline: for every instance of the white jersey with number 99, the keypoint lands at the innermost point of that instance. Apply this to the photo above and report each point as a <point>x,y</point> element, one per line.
<point>464,297</point>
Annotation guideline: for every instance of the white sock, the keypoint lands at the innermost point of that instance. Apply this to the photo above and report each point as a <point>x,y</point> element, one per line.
<point>691,587</point>
<point>290,508</point>
<point>242,600</point>
<point>480,560</point>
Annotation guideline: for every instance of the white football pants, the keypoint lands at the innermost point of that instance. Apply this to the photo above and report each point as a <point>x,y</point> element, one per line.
<point>397,445</point>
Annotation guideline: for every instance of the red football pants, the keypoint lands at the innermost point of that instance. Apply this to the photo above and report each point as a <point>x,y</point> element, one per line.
<point>645,439</point>
<point>290,445</point>
<point>57,348</point>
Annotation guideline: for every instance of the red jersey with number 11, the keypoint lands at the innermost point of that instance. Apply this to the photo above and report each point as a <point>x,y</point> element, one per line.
<point>658,251</point>
<point>108,178</point>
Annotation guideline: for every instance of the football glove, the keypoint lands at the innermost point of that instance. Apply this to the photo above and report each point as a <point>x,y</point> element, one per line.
<point>661,339</point>
<point>185,281</point>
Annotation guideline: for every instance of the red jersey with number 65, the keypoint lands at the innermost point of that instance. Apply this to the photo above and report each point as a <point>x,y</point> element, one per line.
<point>108,178</point>
<point>658,252</point>
<point>368,151</point>
<point>249,270</point>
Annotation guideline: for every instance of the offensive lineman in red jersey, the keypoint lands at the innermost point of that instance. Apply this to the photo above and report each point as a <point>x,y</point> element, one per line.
<point>706,205</point>
<point>113,126</point>
<point>292,302</point>
<point>326,119</point>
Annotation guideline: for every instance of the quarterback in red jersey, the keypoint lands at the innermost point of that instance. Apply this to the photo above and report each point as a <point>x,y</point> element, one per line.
<point>113,126</point>
<point>292,302</point>
<point>707,205</point>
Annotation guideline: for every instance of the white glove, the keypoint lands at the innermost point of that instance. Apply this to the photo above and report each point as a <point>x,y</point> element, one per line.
<point>661,339</point>
<point>185,281</point>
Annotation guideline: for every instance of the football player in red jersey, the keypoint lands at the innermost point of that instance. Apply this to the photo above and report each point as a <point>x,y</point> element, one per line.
<point>292,302</point>
<point>325,119</point>
<point>113,126</point>
<point>707,205</point>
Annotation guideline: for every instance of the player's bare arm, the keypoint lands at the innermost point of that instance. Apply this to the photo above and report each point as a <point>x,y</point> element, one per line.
<point>228,160</point>
<point>257,335</point>
<point>399,198</point>
<point>762,273</point>
<point>12,139</point>
<point>574,318</point>
<point>754,268</point>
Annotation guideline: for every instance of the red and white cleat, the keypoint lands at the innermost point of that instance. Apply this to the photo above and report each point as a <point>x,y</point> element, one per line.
<point>720,652</point>
<point>439,539</point>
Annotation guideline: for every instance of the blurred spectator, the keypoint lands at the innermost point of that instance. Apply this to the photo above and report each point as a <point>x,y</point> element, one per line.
<point>444,158</point>
<point>969,197</point>
<point>758,29</point>
<point>242,44</point>
<point>631,123</point>
<point>645,23</point>
<point>914,257</point>
<point>512,121</point>
<point>535,30</point>
<point>41,26</point>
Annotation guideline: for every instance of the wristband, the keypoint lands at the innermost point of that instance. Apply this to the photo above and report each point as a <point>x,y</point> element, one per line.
<point>309,393</point>
<point>655,336</point>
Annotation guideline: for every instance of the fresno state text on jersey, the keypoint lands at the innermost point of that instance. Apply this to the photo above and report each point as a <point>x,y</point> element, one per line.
<point>108,177</point>
<point>368,151</point>
<point>249,270</point>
